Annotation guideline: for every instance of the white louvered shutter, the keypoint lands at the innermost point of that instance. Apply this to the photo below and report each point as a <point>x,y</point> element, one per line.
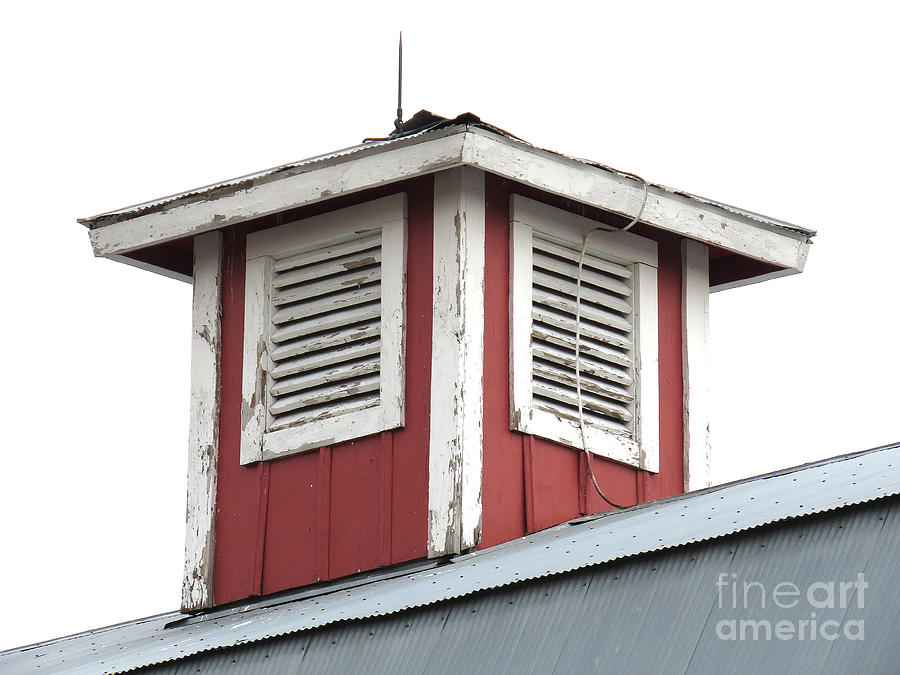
<point>618,344</point>
<point>607,336</point>
<point>324,312</point>
<point>325,332</point>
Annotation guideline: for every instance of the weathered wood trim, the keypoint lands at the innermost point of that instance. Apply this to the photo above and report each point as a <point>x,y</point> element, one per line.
<point>527,216</point>
<point>617,193</point>
<point>387,214</point>
<point>695,364</point>
<point>646,322</point>
<point>457,365</point>
<point>368,168</point>
<point>257,288</point>
<point>325,180</point>
<point>520,299</point>
<point>203,427</point>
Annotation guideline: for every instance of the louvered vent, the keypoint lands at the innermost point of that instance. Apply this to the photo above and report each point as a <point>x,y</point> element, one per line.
<point>325,340</point>
<point>607,336</point>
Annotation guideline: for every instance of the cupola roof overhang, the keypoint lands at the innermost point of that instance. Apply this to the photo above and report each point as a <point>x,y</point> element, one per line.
<point>444,144</point>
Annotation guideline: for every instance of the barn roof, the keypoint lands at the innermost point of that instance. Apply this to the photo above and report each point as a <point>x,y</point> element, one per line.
<point>433,144</point>
<point>583,543</point>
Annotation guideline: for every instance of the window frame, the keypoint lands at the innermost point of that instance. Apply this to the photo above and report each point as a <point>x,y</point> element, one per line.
<point>528,216</point>
<point>266,246</point>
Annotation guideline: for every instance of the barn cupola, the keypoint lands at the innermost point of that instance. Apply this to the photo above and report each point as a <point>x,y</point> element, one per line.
<point>435,342</point>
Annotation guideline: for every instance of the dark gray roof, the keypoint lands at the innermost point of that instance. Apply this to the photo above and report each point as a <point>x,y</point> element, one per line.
<point>695,517</point>
<point>436,126</point>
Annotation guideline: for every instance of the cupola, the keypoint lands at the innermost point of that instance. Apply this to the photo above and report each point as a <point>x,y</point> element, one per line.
<point>435,342</point>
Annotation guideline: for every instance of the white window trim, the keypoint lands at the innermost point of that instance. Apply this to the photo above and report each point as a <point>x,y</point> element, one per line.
<point>643,450</point>
<point>388,213</point>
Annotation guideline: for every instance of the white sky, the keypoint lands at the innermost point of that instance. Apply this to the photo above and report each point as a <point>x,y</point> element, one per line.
<point>792,112</point>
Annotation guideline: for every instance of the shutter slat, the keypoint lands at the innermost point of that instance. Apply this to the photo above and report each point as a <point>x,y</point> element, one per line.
<point>606,336</point>
<point>325,332</point>
<point>566,359</point>
<point>588,311</point>
<point>547,317</point>
<point>349,298</point>
<point>548,334</point>
<point>343,371</point>
<point>566,378</point>
<point>346,317</point>
<point>333,409</point>
<point>590,402</point>
<point>323,286</point>
<point>327,268</point>
<point>325,340</point>
<point>590,261</point>
<point>588,275</point>
<point>348,352</point>
<point>588,293</point>
<point>369,240</point>
<point>563,411</point>
<point>325,394</point>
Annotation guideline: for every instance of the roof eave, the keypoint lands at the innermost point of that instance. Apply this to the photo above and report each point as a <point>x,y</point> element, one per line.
<point>345,172</point>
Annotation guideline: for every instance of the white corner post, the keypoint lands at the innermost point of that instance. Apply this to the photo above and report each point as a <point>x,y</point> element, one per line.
<point>203,439</point>
<point>695,363</point>
<point>457,363</point>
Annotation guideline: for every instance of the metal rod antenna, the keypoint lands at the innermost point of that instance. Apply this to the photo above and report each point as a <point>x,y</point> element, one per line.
<point>399,121</point>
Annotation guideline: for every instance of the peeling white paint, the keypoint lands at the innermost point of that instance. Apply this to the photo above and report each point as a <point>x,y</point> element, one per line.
<point>457,363</point>
<point>695,364</point>
<point>551,172</point>
<point>203,436</point>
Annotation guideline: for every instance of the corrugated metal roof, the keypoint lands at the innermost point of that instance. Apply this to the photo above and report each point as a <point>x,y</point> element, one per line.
<point>695,517</point>
<point>443,127</point>
<point>657,613</point>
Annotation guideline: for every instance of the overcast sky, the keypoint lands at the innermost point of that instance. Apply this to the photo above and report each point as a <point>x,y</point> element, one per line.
<point>789,112</point>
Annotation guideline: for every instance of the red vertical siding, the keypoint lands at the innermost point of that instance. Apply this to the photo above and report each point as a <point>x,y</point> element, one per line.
<point>670,479</point>
<point>502,496</point>
<point>409,497</point>
<point>237,501</point>
<point>353,523</point>
<point>295,490</point>
<point>359,505</point>
<point>336,510</point>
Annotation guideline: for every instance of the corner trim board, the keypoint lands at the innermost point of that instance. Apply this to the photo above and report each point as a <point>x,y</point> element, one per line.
<point>203,434</point>
<point>695,364</point>
<point>456,436</point>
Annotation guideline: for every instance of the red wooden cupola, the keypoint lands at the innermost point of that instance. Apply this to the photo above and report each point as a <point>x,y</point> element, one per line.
<point>390,344</point>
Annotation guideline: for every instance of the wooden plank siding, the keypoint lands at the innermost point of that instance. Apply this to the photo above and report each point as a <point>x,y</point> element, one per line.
<point>363,504</point>
<point>335,510</point>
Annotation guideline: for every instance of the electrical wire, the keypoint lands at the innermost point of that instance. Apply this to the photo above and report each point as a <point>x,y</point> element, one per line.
<point>581,426</point>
